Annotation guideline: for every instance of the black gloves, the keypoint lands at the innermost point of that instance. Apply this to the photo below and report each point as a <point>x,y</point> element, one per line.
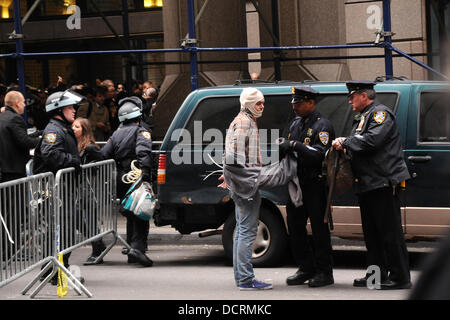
<point>76,163</point>
<point>285,146</point>
<point>36,134</point>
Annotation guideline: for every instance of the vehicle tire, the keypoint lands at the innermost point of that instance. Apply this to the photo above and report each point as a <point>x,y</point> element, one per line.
<point>271,244</point>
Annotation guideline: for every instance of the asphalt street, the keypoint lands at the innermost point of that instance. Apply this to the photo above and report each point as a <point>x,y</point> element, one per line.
<point>192,268</point>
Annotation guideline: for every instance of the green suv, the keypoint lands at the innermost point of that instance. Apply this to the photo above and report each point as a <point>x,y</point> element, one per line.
<point>191,152</point>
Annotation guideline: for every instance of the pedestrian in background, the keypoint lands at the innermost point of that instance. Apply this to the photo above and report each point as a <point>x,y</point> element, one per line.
<point>15,144</point>
<point>242,151</point>
<point>89,152</point>
<point>379,169</point>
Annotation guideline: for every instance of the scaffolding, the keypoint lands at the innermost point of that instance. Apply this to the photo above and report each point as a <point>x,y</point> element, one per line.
<point>189,46</point>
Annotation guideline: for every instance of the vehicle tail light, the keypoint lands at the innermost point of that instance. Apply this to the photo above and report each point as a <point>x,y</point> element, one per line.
<point>162,169</point>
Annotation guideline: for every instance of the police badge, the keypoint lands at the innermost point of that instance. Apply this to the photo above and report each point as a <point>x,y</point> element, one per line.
<point>324,137</point>
<point>50,138</point>
<point>379,117</point>
<point>309,133</point>
<point>146,135</point>
<point>307,141</point>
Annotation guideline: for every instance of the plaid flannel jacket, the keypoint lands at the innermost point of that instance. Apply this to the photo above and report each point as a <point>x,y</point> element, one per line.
<point>242,141</point>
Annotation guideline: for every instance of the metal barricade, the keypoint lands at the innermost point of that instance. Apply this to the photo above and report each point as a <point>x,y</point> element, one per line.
<point>26,226</point>
<point>84,205</point>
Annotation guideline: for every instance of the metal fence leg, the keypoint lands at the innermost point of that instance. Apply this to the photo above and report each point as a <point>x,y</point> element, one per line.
<point>108,248</point>
<point>76,283</point>
<point>118,237</point>
<point>31,284</point>
<point>43,283</point>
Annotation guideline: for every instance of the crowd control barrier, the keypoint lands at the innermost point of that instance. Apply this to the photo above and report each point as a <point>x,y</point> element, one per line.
<point>27,225</point>
<point>81,208</point>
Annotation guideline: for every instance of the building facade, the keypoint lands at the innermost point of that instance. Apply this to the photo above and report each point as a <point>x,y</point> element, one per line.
<point>421,28</point>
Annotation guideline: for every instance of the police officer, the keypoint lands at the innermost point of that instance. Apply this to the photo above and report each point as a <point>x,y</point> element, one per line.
<point>310,135</point>
<point>378,167</point>
<point>131,142</point>
<point>58,147</point>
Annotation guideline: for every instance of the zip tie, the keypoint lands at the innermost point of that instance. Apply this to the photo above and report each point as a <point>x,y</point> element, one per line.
<point>133,175</point>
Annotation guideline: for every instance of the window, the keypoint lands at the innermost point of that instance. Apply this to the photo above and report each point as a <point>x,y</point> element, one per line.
<point>434,117</point>
<point>218,112</point>
<point>336,108</point>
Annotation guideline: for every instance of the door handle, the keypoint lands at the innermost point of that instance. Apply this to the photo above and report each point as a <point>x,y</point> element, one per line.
<point>419,159</point>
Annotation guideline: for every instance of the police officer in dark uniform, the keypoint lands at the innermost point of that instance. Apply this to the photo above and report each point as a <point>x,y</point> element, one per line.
<point>58,148</point>
<point>379,169</point>
<point>310,135</point>
<point>131,142</point>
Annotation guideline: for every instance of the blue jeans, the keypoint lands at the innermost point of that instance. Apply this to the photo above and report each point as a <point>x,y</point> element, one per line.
<point>247,214</point>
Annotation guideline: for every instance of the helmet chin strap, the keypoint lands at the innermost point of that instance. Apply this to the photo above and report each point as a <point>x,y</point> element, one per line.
<point>61,114</point>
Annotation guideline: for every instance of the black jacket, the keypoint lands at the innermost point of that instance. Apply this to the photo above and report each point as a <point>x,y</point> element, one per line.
<point>91,154</point>
<point>130,142</point>
<point>375,149</point>
<point>57,149</point>
<point>313,136</point>
<point>15,144</point>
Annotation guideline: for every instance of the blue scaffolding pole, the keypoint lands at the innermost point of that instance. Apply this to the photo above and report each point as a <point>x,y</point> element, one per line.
<point>389,67</point>
<point>19,50</point>
<point>192,42</point>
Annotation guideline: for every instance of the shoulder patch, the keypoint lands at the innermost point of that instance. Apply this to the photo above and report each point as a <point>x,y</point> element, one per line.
<point>324,137</point>
<point>50,137</point>
<point>146,135</point>
<point>379,117</point>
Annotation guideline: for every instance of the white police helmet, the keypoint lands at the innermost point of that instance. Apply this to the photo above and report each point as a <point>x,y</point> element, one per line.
<point>61,99</point>
<point>130,108</point>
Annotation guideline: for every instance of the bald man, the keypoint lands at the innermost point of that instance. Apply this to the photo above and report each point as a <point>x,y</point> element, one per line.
<point>15,144</point>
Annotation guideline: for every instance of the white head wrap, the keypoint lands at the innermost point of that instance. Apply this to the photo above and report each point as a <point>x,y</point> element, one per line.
<point>249,98</point>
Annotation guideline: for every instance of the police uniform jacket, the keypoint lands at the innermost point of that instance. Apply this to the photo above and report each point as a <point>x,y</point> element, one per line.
<point>313,135</point>
<point>129,142</point>
<point>15,144</point>
<point>375,149</point>
<point>58,148</point>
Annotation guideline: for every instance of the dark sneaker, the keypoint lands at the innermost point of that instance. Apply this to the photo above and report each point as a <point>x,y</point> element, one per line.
<point>255,285</point>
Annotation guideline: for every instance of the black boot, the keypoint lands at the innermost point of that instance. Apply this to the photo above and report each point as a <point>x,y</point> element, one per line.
<point>137,256</point>
<point>320,280</point>
<point>97,248</point>
<point>300,277</point>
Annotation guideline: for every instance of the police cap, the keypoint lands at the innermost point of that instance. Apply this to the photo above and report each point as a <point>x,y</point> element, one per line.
<point>359,86</point>
<point>303,93</point>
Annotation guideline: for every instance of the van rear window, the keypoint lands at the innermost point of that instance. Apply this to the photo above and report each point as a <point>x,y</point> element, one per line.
<point>434,117</point>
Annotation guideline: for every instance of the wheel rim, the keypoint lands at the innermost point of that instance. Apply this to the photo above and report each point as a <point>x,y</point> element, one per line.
<point>262,241</point>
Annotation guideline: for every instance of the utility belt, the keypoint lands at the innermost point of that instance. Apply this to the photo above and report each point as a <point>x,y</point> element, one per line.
<point>124,165</point>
